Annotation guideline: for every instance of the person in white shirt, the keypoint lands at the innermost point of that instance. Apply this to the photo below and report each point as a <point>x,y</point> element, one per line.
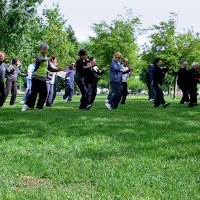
<point>124,85</point>
<point>30,71</point>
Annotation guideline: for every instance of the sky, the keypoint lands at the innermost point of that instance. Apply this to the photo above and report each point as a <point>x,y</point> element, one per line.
<point>82,14</point>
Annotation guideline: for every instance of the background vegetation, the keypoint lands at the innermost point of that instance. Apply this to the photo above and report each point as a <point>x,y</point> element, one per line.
<point>22,29</point>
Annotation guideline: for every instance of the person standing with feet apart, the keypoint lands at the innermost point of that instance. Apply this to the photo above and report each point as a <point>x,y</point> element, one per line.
<point>158,75</point>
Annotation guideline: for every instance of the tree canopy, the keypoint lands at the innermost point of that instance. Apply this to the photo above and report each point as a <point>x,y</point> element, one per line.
<point>22,29</point>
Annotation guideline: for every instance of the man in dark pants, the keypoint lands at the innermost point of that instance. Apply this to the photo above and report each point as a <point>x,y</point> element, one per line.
<point>182,82</point>
<point>193,79</point>
<point>82,70</point>
<point>149,80</point>
<point>158,75</point>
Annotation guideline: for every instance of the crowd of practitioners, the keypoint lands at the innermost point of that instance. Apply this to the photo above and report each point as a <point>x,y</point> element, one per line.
<point>187,81</point>
<point>42,74</point>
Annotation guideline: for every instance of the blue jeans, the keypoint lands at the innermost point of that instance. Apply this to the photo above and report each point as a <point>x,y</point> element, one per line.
<point>116,96</point>
<point>28,89</point>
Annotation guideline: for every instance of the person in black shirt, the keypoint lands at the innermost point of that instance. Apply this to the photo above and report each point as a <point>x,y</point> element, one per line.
<point>82,70</point>
<point>193,79</point>
<point>158,75</point>
<point>182,82</point>
<point>92,79</point>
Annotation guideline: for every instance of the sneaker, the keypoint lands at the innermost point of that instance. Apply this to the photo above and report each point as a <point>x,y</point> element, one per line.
<point>88,107</point>
<point>150,100</point>
<point>166,104</point>
<point>63,98</point>
<point>190,105</point>
<point>22,102</point>
<point>38,108</point>
<point>108,106</point>
<point>12,104</point>
<point>24,107</point>
<point>106,100</point>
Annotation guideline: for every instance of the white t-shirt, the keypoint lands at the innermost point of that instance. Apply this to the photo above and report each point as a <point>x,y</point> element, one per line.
<point>124,76</point>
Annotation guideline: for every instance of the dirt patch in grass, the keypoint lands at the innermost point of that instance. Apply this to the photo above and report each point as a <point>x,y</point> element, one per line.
<point>31,181</point>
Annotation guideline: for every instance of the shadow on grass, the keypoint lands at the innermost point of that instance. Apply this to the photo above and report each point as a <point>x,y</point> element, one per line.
<point>135,129</point>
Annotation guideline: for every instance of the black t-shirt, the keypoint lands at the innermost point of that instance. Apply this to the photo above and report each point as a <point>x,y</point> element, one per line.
<point>182,77</point>
<point>193,76</point>
<point>80,72</point>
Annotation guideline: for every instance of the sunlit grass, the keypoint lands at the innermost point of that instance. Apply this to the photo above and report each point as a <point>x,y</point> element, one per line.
<point>134,152</point>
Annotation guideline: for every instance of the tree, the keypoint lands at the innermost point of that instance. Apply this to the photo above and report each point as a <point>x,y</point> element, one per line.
<point>17,17</point>
<point>172,47</point>
<point>56,36</point>
<point>119,36</point>
<point>163,45</point>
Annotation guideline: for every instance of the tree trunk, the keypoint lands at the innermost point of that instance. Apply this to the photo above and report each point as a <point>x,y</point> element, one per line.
<point>175,88</point>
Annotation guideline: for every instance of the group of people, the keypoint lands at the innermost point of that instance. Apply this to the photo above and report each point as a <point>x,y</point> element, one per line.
<point>187,81</point>
<point>42,79</point>
<point>87,76</point>
<point>11,73</point>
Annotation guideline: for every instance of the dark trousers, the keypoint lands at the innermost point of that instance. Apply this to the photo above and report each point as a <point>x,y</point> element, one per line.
<point>55,91</point>
<point>185,97</point>
<point>89,90</point>
<point>110,94</point>
<point>69,91</point>
<point>11,86</point>
<point>115,99</point>
<point>124,92</point>
<point>193,95</point>
<point>151,91</point>
<point>40,87</point>
<point>94,92</point>
<point>85,96</point>
<point>159,99</point>
<point>2,93</point>
<point>50,92</point>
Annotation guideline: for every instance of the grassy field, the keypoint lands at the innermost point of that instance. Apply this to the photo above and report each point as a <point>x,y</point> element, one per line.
<point>134,152</point>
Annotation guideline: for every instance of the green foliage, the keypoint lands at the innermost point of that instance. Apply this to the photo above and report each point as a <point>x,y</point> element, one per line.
<point>136,84</point>
<point>119,36</point>
<point>188,45</point>
<point>22,30</point>
<point>55,35</point>
<point>19,23</point>
<point>162,42</point>
<point>172,47</point>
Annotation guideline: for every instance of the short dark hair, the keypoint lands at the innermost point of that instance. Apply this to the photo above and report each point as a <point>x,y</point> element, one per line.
<point>92,58</point>
<point>82,52</point>
<point>14,60</point>
<point>53,56</point>
<point>156,61</point>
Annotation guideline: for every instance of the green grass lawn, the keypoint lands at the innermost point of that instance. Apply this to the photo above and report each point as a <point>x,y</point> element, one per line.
<point>134,152</point>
